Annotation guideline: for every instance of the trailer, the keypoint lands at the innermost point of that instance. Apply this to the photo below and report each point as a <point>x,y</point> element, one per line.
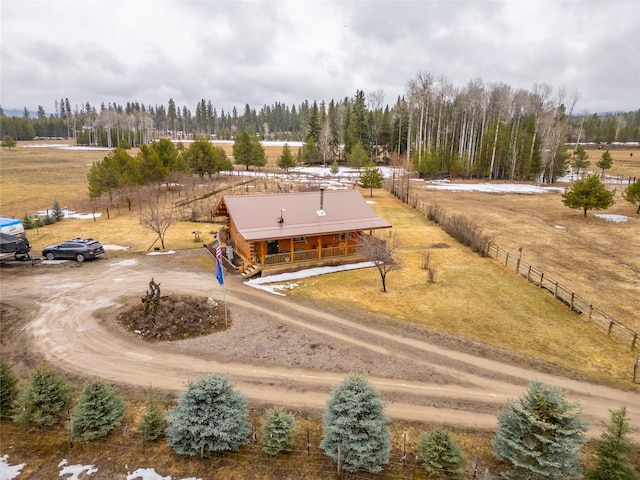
<point>11,226</point>
<point>13,242</point>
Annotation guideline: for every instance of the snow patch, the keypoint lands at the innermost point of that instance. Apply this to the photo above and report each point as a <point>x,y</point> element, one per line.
<point>262,283</point>
<point>491,187</point>
<point>7,471</point>
<point>168,252</point>
<point>76,472</point>
<point>560,227</point>
<point>609,217</point>
<point>116,247</point>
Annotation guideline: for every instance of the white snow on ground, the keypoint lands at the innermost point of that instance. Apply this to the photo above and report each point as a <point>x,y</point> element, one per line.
<point>491,187</point>
<point>609,217</point>
<point>116,247</point>
<point>76,472</point>
<point>61,146</point>
<point>168,252</point>
<point>9,472</point>
<point>262,283</point>
<point>70,214</point>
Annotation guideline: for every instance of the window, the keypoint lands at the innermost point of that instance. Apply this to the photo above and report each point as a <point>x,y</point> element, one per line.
<point>299,239</point>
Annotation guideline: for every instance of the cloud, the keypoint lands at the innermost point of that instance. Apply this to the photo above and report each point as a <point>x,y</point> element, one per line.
<point>262,52</point>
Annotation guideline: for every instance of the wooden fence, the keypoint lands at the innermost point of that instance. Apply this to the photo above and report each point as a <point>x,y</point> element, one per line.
<point>605,322</point>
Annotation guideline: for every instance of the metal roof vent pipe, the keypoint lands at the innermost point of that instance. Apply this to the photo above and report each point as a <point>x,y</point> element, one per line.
<point>321,198</point>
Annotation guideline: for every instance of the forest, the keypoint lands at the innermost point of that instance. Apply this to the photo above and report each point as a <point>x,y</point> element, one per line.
<point>486,130</point>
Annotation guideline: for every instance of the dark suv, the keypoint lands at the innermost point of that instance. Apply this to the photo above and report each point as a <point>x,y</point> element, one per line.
<point>79,248</point>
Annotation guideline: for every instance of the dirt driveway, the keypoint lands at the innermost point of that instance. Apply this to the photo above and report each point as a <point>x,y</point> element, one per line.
<point>277,351</point>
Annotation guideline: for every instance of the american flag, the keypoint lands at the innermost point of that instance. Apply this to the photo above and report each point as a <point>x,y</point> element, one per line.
<point>218,252</point>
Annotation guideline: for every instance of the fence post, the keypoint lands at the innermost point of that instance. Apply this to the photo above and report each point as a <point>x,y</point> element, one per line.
<point>590,311</point>
<point>610,327</point>
<point>506,260</point>
<point>633,342</point>
<point>541,278</point>
<point>573,295</point>
<point>555,292</point>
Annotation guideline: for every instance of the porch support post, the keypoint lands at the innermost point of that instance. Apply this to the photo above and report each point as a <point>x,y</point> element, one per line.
<point>292,250</point>
<point>320,247</point>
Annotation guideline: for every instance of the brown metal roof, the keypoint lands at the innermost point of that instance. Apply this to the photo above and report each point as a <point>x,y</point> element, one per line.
<point>257,216</point>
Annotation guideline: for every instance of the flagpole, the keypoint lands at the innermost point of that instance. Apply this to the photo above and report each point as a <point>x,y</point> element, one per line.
<point>220,276</point>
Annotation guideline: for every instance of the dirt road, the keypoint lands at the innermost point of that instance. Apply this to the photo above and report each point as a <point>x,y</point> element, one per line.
<point>276,351</point>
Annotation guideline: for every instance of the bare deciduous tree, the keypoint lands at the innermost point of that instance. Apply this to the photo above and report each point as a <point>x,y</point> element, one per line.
<point>157,216</point>
<point>380,252</point>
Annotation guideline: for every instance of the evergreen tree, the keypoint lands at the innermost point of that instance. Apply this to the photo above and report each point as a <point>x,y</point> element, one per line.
<point>258,157</point>
<point>355,424</point>
<point>150,165</point>
<point>605,161</point>
<point>580,157</point>
<point>221,162</point>
<point>277,431</point>
<point>152,425</point>
<point>210,417</point>
<point>588,193</point>
<point>242,149</point>
<point>44,399</point>
<point>286,160</point>
<point>99,411</point>
<point>371,178</point>
<point>540,435</point>
<point>56,212</point>
<point>358,156</point>
<point>8,390</point>
<point>116,170</point>
<point>27,222</point>
<point>309,152</point>
<point>200,157</point>
<point>335,167</point>
<point>631,194</point>
<point>8,141</point>
<point>613,450</point>
<point>440,454</point>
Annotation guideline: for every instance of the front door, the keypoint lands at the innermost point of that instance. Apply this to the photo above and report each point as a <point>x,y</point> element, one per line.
<point>272,247</point>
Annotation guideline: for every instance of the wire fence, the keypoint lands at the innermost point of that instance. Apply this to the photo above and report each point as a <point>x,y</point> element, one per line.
<point>124,450</point>
<point>605,322</point>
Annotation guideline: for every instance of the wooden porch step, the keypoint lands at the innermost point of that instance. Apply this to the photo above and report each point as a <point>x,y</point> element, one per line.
<point>251,271</point>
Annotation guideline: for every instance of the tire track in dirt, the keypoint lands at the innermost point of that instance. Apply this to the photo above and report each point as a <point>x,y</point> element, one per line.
<point>67,332</point>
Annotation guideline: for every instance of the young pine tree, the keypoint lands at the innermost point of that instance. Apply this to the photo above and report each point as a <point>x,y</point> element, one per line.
<point>540,435</point>
<point>605,161</point>
<point>286,160</point>
<point>56,212</point>
<point>277,431</point>
<point>371,178</point>
<point>8,390</point>
<point>44,399</point>
<point>210,417</point>
<point>613,450</point>
<point>355,426</point>
<point>588,194</point>
<point>99,411</point>
<point>440,454</point>
<point>152,425</point>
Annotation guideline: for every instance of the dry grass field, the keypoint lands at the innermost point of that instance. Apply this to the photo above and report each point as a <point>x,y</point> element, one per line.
<point>597,259</point>
<point>473,297</point>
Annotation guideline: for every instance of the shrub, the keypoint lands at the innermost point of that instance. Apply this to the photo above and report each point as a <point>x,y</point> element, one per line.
<point>152,425</point>
<point>8,390</point>
<point>440,454</point>
<point>99,411</point>
<point>210,417</point>
<point>356,426</point>
<point>44,399</point>
<point>277,431</point>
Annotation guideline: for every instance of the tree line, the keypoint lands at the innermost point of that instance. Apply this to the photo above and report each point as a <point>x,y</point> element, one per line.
<point>539,435</point>
<point>479,129</point>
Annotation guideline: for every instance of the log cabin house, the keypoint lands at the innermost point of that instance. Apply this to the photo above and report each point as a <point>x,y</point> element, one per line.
<point>290,231</point>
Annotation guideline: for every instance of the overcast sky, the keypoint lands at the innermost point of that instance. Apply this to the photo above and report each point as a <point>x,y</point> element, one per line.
<point>261,52</point>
